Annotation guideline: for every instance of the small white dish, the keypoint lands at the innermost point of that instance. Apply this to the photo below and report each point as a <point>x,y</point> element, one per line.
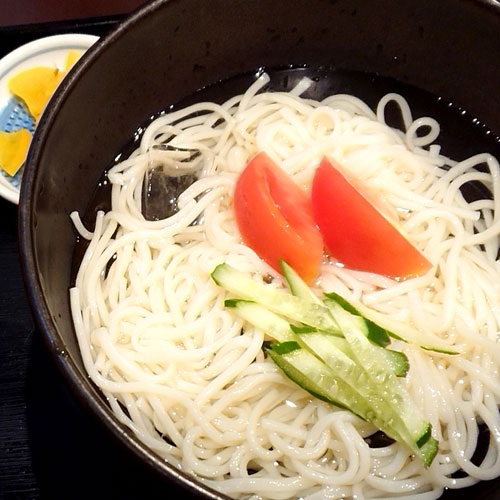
<point>49,51</point>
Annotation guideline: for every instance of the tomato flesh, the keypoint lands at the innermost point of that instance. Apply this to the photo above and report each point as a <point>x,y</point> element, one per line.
<point>274,217</point>
<point>354,231</point>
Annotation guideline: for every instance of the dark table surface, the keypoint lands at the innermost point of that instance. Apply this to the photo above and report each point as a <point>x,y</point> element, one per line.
<point>50,446</point>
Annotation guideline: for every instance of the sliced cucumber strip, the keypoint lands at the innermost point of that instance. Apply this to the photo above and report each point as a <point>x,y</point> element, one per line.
<point>369,357</point>
<point>396,361</point>
<point>278,301</point>
<point>339,342</point>
<point>358,388</point>
<point>311,374</point>
<point>299,288</point>
<point>350,308</point>
<point>354,375</point>
<point>329,349</point>
<point>353,382</point>
<point>376,333</point>
<point>279,329</point>
<point>297,285</point>
<point>388,413</point>
<point>307,371</point>
<point>267,321</point>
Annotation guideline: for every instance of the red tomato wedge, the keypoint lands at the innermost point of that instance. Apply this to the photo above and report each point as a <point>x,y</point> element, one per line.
<point>356,233</point>
<point>274,217</point>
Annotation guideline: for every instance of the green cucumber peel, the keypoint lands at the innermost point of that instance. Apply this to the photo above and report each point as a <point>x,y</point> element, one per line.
<point>428,451</point>
<point>321,384</point>
<point>279,301</point>
<point>350,308</point>
<point>376,333</point>
<point>296,284</point>
<point>347,306</point>
<point>284,347</point>
<point>425,437</point>
<point>236,302</point>
<point>440,350</point>
<point>297,329</point>
<point>415,428</point>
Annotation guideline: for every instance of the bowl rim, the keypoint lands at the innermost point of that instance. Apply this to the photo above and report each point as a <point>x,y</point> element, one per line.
<point>80,387</point>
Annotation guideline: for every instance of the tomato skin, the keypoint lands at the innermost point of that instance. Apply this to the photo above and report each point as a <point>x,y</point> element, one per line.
<point>274,217</point>
<point>354,231</point>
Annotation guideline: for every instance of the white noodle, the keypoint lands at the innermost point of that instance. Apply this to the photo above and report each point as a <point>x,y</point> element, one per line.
<point>180,372</point>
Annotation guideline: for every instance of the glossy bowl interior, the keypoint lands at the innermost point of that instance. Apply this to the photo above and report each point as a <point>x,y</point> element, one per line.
<point>169,49</point>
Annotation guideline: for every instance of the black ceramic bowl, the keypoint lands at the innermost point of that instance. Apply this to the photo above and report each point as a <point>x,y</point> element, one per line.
<point>169,49</point>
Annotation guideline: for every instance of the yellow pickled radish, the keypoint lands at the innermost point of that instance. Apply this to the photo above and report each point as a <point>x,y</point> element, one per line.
<point>71,57</point>
<point>35,86</point>
<point>13,148</point>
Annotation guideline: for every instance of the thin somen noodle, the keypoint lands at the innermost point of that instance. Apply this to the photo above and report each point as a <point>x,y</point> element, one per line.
<point>190,379</point>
